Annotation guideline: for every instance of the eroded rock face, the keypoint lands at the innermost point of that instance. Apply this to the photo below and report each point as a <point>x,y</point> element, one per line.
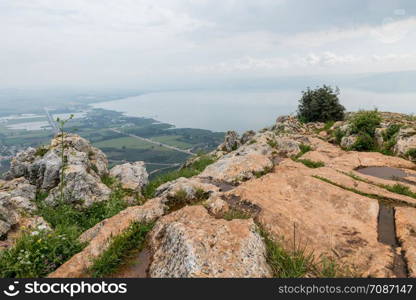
<point>100,237</point>
<point>348,141</point>
<point>16,200</point>
<point>81,188</point>
<point>84,167</point>
<point>132,176</point>
<point>191,243</point>
<point>406,140</point>
<point>231,142</point>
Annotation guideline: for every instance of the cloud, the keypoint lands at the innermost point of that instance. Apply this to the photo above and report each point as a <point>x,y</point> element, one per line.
<point>137,43</point>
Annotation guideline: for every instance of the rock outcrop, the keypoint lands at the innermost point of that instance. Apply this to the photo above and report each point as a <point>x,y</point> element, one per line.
<point>291,182</point>
<point>85,165</point>
<point>132,176</point>
<point>16,198</point>
<point>191,243</point>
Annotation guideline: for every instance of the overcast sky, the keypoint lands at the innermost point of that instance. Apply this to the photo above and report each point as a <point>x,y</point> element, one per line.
<point>151,43</point>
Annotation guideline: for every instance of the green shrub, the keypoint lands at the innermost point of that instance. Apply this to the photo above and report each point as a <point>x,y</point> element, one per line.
<point>411,153</point>
<point>320,105</point>
<point>365,122</point>
<point>338,134</point>
<point>120,248</point>
<point>391,131</point>
<point>364,143</point>
<point>197,167</point>
<point>36,255</point>
<point>232,214</point>
<point>41,151</point>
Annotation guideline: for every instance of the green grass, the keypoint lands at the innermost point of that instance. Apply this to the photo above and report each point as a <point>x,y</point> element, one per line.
<point>232,214</point>
<point>172,140</point>
<point>299,262</point>
<point>303,150</point>
<point>397,188</point>
<point>265,171</point>
<point>197,167</point>
<point>124,142</point>
<point>41,151</point>
<point>37,255</point>
<point>120,248</point>
<point>64,214</point>
<point>385,200</point>
<point>411,153</point>
<point>311,164</point>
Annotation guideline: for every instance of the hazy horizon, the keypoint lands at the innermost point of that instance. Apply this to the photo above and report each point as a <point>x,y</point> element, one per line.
<point>188,44</point>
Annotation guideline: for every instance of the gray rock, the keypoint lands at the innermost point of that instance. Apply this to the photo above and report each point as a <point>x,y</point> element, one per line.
<point>231,142</point>
<point>406,140</point>
<point>348,141</point>
<point>132,176</point>
<point>80,187</point>
<point>191,243</point>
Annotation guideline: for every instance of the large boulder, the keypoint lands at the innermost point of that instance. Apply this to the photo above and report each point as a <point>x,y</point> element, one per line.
<point>289,125</point>
<point>84,165</point>
<point>191,243</point>
<point>132,176</point>
<point>80,188</point>
<point>16,200</point>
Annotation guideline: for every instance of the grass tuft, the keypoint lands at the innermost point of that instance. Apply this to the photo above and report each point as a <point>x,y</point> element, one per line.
<point>121,246</point>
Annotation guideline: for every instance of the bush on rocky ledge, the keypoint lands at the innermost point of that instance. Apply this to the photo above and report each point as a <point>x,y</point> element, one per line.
<point>320,105</point>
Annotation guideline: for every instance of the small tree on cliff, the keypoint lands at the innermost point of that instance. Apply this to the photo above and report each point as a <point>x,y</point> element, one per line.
<point>320,105</point>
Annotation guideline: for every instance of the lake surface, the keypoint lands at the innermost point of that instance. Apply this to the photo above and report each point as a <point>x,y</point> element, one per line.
<point>241,110</point>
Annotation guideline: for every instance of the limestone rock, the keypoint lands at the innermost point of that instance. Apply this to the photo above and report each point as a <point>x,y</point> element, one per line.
<point>43,170</point>
<point>81,187</point>
<point>100,237</point>
<point>234,169</point>
<point>16,200</point>
<point>247,136</point>
<point>406,229</point>
<point>132,176</point>
<point>328,220</point>
<point>348,141</point>
<point>289,124</point>
<point>406,140</point>
<point>190,186</point>
<point>191,243</point>
<point>231,142</point>
<point>216,205</point>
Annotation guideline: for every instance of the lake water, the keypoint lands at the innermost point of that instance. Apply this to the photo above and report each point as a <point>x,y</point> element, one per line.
<point>241,110</point>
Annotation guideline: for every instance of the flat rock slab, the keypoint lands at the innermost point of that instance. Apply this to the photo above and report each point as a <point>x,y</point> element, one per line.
<point>325,219</point>
<point>191,243</point>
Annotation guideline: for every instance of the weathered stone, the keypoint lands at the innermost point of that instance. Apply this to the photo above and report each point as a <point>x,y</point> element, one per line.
<point>100,237</point>
<point>191,243</point>
<point>247,136</point>
<point>406,233</point>
<point>231,142</point>
<point>328,220</point>
<point>80,187</point>
<point>132,176</point>
<point>216,205</point>
<point>406,140</point>
<point>348,141</point>
<point>289,124</point>
<point>236,169</point>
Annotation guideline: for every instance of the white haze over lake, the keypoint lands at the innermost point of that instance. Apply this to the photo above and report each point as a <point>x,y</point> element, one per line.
<point>241,110</point>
